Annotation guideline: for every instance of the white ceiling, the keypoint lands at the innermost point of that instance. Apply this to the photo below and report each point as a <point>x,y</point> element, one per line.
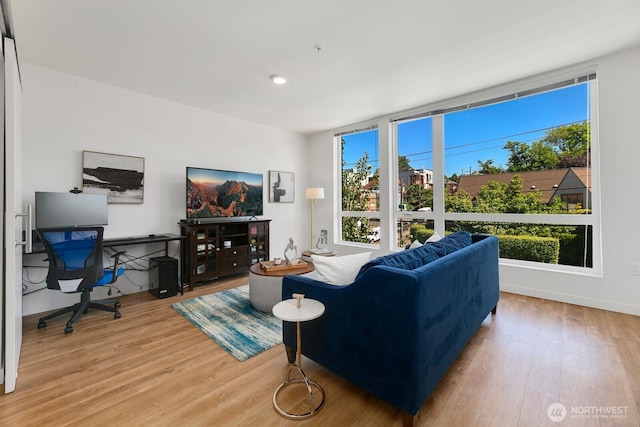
<point>376,57</point>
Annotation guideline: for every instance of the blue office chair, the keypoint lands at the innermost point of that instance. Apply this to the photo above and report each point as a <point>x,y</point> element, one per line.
<point>75,265</point>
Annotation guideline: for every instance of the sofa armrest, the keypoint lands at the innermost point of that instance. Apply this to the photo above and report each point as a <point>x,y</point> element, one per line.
<point>379,305</point>
<point>305,280</point>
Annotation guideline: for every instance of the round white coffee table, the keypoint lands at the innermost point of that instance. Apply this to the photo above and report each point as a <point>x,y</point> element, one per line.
<point>265,287</point>
<point>299,309</point>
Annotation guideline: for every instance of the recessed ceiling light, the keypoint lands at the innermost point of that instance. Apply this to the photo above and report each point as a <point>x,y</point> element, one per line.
<point>278,79</point>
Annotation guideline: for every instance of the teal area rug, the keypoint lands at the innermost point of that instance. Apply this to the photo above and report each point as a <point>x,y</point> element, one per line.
<point>230,320</point>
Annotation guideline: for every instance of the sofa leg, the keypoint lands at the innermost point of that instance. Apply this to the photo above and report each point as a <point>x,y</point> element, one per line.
<point>408,420</point>
<point>291,354</point>
<point>495,309</point>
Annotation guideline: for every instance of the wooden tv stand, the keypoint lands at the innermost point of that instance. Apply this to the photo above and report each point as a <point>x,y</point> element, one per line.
<point>221,247</point>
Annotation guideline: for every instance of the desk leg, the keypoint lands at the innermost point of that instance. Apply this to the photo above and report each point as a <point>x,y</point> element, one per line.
<point>308,383</point>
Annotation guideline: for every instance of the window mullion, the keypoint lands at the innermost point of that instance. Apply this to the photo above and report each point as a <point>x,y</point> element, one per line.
<point>438,173</point>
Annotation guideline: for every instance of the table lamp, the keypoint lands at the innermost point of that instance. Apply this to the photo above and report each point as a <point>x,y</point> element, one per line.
<point>313,194</point>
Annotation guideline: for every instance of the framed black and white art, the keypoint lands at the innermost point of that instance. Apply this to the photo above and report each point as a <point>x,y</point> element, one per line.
<point>121,178</point>
<point>281,187</point>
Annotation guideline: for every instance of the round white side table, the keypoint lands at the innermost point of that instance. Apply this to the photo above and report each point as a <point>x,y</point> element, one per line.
<point>298,310</point>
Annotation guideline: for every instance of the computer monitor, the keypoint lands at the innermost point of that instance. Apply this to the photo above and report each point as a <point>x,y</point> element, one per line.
<point>57,210</point>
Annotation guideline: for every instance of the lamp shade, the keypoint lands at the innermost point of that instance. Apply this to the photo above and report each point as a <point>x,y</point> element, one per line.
<point>315,193</point>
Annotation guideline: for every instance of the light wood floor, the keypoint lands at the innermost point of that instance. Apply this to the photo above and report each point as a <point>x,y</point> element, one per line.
<point>152,367</point>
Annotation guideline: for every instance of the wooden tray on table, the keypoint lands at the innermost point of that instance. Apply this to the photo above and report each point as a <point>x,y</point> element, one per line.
<point>271,266</point>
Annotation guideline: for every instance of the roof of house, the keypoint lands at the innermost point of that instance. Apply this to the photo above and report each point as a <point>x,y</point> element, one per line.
<point>583,175</point>
<point>543,181</point>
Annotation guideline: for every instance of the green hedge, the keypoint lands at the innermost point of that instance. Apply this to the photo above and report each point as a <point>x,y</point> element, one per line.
<point>527,248</point>
<point>572,249</point>
<point>420,232</point>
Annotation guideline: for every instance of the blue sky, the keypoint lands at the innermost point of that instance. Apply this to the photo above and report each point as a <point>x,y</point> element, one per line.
<point>479,133</point>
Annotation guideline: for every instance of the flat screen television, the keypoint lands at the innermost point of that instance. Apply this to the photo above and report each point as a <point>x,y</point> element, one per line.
<point>214,193</point>
<point>57,210</point>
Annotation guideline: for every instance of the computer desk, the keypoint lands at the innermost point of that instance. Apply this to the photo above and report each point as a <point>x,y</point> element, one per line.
<point>38,246</point>
<point>165,238</point>
<point>149,238</point>
<point>140,240</point>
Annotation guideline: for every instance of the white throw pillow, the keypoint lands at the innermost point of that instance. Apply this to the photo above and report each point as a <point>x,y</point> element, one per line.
<point>415,244</point>
<point>434,237</point>
<point>339,270</point>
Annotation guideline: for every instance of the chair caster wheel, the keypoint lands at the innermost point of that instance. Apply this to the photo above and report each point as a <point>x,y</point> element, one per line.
<point>117,304</point>
<point>68,330</point>
<point>42,324</point>
<point>117,315</point>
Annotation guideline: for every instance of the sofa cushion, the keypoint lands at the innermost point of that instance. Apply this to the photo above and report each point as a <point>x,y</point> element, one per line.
<point>339,270</point>
<point>408,260</point>
<point>455,241</point>
<point>417,257</point>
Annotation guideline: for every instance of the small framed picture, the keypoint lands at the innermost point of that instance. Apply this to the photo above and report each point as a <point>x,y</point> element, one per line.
<point>281,187</point>
<point>121,178</point>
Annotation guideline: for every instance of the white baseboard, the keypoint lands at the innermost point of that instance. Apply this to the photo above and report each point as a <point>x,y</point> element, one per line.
<point>572,299</point>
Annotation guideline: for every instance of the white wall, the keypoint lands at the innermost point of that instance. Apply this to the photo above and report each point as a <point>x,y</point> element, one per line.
<point>64,115</point>
<point>619,110</point>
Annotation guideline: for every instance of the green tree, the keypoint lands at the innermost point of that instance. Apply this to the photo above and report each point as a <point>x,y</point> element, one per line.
<point>418,197</point>
<point>561,147</point>
<point>492,198</point>
<point>375,179</point>
<point>537,156</point>
<point>355,229</point>
<point>519,157</point>
<point>403,164</point>
<point>453,177</point>
<point>572,143</point>
<point>460,201</point>
<point>498,197</point>
<point>487,167</point>
<point>355,198</point>
<point>495,197</point>
<point>514,188</point>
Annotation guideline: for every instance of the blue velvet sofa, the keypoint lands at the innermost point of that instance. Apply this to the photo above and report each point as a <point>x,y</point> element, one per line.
<point>397,329</point>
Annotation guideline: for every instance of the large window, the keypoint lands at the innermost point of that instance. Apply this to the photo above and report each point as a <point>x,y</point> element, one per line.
<point>518,165</point>
<point>414,176</point>
<point>360,187</point>
<point>528,156</point>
